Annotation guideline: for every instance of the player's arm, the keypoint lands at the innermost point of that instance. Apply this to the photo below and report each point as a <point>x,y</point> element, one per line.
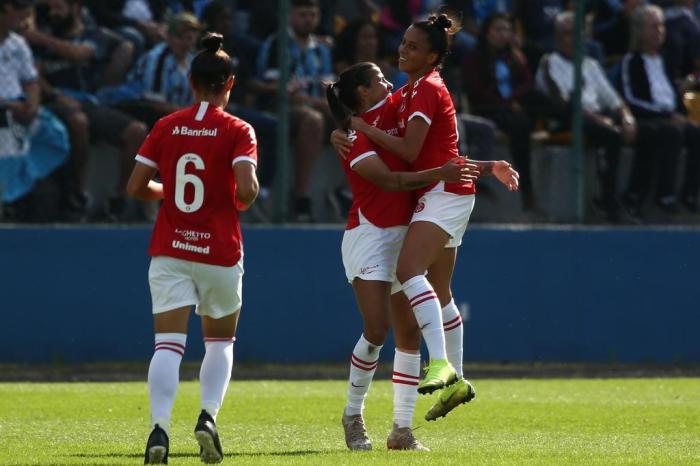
<point>375,170</point>
<point>247,186</point>
<point>141,185</point>
<point>406,148</point>
<point>502,170</point>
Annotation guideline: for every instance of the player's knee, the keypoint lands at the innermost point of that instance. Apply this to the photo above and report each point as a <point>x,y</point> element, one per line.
<point>376,333</point>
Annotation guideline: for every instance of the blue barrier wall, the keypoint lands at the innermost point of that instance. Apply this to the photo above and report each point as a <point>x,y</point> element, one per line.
<point>81,295</point>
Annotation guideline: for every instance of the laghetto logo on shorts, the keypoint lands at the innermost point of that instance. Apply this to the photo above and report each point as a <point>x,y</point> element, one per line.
<point>420,206</point>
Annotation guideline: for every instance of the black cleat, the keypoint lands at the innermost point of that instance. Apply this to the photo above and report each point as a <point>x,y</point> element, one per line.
<point>157,447</point>
<point>208,439</point>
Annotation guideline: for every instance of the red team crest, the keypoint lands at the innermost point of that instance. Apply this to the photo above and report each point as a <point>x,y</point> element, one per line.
<point>419,207</point>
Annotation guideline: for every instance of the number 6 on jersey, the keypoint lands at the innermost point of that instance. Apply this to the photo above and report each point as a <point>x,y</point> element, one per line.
<point>182,179</point>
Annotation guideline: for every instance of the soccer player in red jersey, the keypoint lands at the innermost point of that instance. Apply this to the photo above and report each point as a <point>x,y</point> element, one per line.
<point>427,138</point>
<point>377,222</point>
<point>206,159</point>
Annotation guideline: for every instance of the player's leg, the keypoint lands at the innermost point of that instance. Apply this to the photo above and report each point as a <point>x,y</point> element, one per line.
<point>440,276</point>
<point>220,294</point>
<point>163,378</point>
<point>172,294</point>
<point>405,374</point>
<point>423,243</point>
<point>372,298</point>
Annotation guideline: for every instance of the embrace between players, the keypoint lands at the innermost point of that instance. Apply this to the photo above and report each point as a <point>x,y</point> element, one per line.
<point>412,198</point>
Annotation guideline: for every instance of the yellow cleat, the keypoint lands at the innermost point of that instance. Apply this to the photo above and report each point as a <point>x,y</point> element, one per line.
<point>439,374</point>
<point>451,397</point>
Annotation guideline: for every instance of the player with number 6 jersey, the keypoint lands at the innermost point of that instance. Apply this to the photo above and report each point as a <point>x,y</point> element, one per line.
<point>194,150</point>
<point>206,159</point>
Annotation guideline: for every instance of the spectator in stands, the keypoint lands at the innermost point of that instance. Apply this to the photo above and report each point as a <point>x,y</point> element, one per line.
<point>309,65</point>
<point>132,19</point>
<point>607,122</point>
<point>611,25</point>
<point>218,17</point>
<point>682,46</point>
<point>359,42</point>
<point>159,82</point>
<point>33,142</point>
<point>499,85</point>
<point>75,60</point>
<point>536,18</point>
<point>664,128</point>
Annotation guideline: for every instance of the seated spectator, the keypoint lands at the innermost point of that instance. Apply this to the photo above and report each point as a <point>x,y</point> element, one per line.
<point>394,17</point>
<point>309,65</point>
<point>499,86</point>
<point>218,17</point>
<point>607,122</point>
<point>75,60</point>
<point>664,128</point>
<point>159,82</point>
<point>682,45</point>
<point>611,25</point>
<point>536,17</point>
<point>33,142</point>
<point>359,42</point>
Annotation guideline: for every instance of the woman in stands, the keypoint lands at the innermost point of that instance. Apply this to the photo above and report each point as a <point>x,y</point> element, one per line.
<point>206,159</point>
<point>427,138</point>
<point>377,221</point>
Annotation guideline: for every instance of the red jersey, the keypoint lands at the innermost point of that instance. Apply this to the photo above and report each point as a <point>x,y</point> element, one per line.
<point>382,208</point>
<point>195,150</point>
<point>429,99</point>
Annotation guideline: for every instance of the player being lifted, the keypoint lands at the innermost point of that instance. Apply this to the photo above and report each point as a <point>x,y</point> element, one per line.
<point>206,159</point>
<point>427,138</point>
<point>377,222</point>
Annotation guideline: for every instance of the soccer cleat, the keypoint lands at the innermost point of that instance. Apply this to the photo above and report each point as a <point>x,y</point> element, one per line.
<point>451,397</point>
<point>401,438</point>
<point>157,447</point>
<point>439,374</point>
<point>355,433</point>
<point>208,439</point>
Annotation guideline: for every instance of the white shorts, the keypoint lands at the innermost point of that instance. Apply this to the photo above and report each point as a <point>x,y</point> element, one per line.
<point>370,253</point>
<point>449,211</point>
<point>215,290</point>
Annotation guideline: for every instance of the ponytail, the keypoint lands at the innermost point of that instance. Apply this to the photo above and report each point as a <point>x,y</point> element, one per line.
<point>342,95</point>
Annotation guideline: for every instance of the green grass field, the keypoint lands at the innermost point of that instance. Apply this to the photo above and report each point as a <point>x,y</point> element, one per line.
<point>577,421</point>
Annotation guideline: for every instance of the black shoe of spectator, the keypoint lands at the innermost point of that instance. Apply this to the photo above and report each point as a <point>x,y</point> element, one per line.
<point>341,201</point>
<point>609,210</point>
<point>668,205</point>
<point>303,210</point>
<point>116,209</point>
<point>76,206</point>
<point>691,203</point>
<point>632,207</point>
<point>157,447</point>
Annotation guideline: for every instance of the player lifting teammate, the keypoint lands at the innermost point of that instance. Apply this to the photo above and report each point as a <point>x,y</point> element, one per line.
<point>377,222</point>
<point>427,138</point>
<point>206,159</point>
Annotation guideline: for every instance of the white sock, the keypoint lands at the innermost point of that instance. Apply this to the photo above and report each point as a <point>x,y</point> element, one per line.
<point>363,364</point>
<point>426,307</point>
<point>405,382</point>
<point>215,373</point>
<point>454,336</point>
<point>164,376</point>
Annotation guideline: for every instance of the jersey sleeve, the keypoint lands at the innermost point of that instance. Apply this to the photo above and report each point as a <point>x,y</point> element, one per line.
<point>362,148</point>
<point>245,147</point>
<point>148,153</point>
<point>425,102</point>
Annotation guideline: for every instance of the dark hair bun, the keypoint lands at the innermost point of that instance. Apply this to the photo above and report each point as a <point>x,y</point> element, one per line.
<point>442,21</point>
<point>211,42</point>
